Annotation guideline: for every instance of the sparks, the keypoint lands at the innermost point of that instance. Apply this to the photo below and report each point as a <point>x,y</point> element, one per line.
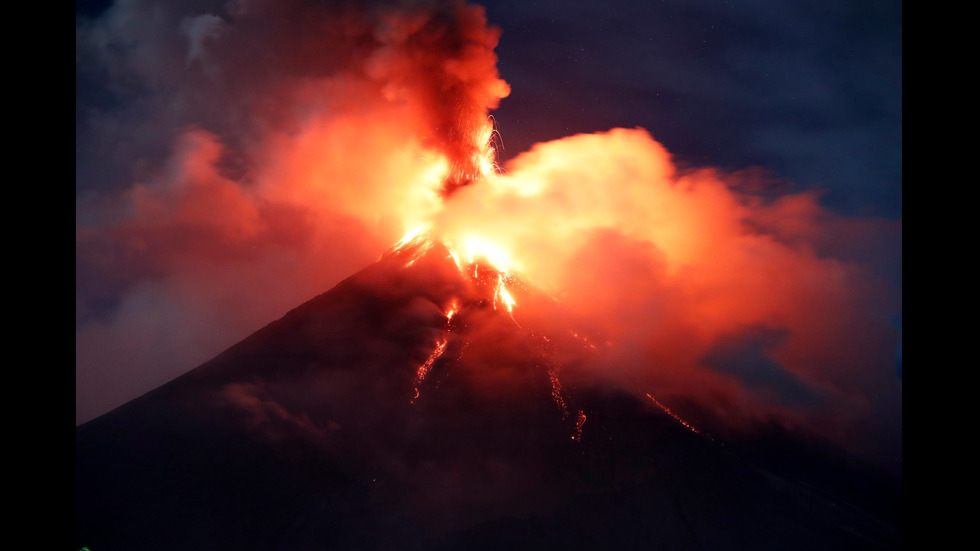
<point>556,392</point>
<point>578,426</point>
<point>479,160</point>
<point>583,339</point>
<point>487,157</point>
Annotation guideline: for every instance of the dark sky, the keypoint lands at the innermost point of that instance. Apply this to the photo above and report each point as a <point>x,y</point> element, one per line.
<point>811,91</point>
<point>791,97</point>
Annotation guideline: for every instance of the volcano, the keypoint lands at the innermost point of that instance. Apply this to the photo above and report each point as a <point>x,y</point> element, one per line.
<point>410,408</point>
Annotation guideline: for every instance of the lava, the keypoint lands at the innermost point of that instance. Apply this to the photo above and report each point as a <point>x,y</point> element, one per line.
<point>440,347</point>
<point>579,422</point>
<point>558,396</point>
<point>556,391</point>
<point>476,252</point>
<point>438,350</point>
<point>414,236</point>
<point>453,308</point>
<point>486,267</point>
<point>504,296</point>
<point>674,415</point>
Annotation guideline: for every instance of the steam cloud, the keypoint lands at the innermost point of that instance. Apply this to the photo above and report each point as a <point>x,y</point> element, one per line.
<point>245,156</point>
<point>747,307</point>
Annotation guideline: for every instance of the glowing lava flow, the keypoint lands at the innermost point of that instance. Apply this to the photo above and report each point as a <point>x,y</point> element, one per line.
<point>557,396</point>
<point>424,368</point>
<point>451,312</point>
<point>547,347</point>
<point>440,348</point>
<point>676,417</point>
<point>477,249</point>
<point>496,275</point>
<point>578,425</point>
<point>416,238</point>
<point>504,296</point>
<point>477,252</point>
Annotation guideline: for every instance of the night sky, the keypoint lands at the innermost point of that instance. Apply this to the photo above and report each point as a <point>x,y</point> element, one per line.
<point>810,91</point>
<point>781,98</point>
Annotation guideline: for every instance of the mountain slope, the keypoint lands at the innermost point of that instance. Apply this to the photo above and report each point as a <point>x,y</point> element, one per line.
<point>407,409</point>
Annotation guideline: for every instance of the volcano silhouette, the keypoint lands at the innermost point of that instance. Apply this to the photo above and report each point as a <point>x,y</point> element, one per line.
<point>320,431</point>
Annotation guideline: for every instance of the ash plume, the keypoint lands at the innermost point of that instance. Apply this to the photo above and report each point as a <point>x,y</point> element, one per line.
<point>442,60</point>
